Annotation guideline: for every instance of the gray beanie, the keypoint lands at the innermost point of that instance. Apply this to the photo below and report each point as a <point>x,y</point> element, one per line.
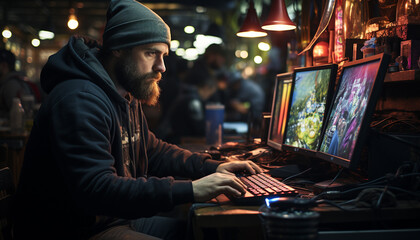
<point>130,23</point>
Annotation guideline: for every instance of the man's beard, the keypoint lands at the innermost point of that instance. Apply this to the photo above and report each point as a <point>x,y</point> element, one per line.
<point>142,86</point>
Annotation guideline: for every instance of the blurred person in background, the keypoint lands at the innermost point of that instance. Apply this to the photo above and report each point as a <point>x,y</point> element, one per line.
<point>13,83</point>
<point>245,99</point>
<point>210,64</point>
<point>186,118</point>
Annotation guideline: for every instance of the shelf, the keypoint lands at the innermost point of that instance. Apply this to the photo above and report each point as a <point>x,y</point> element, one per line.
<point>409,75</point>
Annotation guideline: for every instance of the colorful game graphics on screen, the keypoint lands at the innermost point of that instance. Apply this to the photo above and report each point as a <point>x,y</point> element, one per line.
<point>311,96</point>
<point>279,108</point>
<point>353,104</point>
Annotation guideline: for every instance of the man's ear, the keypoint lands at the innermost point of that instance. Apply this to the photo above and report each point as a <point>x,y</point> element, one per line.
<point>117,53</point>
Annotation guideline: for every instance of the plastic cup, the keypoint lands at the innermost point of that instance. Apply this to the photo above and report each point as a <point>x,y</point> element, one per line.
<point>214,114</point>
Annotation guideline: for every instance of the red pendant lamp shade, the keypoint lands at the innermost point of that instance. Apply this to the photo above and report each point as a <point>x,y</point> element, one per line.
<point>251,27</point>
<point>278,19</point>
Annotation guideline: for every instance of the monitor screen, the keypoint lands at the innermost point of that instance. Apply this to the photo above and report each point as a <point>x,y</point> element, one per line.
<point>312,92</point>
<point>352,107</point>
<point>279,107</point>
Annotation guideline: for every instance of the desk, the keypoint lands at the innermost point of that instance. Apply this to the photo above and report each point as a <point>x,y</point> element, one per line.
<point>243,222</point>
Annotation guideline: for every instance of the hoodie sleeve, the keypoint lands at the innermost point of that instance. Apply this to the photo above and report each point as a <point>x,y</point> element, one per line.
<point>81,128</point>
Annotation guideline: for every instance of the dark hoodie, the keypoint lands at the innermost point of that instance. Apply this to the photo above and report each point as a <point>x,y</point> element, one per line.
<point>90,160</point>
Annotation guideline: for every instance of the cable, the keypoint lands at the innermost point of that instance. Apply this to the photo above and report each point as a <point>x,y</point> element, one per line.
<point>333,204</point>
<point>347,202</point>
<point>410,175</point>
<point>379,122</point>
<point>398,139</point>
<point>373,181</point>
<point>400,121</point>
<point>298,174</point>
<point>336,177</point>
<point>378,203</point>
<point>339,193</point>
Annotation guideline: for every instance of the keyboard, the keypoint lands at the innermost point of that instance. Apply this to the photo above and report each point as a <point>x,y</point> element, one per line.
<point>262,186</point>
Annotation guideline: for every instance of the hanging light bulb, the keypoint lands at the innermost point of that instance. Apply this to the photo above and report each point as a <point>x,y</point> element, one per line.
<point>251,27</point>
<point>35,42</point>
<point>45,34</point>
<point>72,23</point>
<point>6,33</point>
<point>278,19</point>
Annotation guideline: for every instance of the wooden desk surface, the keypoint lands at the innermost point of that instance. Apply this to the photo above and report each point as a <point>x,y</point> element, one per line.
<point>228,216</point>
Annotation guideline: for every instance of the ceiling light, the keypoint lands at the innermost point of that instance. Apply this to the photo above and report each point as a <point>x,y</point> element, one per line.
<point>72,23</point>
<point>191,54</point>
<point>244,54</point>
<point>174,44</point>
<point>45,35</point>
<point>6,33</point>
<point>278,19</point>
<point>251,27</point>
<point>263,46</point>
<point>258,59</point>
<point>189,29</point>
<point>35,42</point>
<point>180,52</point>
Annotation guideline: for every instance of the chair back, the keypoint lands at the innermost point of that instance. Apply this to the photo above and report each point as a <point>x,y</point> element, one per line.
<point>7,190</point>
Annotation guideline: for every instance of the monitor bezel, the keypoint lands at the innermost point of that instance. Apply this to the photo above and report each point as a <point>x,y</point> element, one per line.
<point>330,94</point>
<point>353,162</point>
<point>282,78</point>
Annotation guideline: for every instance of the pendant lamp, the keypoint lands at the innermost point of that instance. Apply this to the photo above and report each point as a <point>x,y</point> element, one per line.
<point>251,27</point>
<point>278,19</point>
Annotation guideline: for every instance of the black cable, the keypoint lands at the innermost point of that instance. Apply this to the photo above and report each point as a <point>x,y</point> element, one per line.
<point>381,186</point>
<point>365,187</point>
<point>398,139</point>
<point>378,203</point>
<point>333,204</point>
<point>410,175</point>
<point>400,121</point>
<point>373,181</point>
<point>336,176</point>
<point>347,202</point>
<point>298,174</point>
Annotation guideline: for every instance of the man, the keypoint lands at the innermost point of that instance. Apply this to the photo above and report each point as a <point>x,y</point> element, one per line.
<point>245,99</point>
<point>92,169</point>
<point>186,117</point>
<point>210,64</point>
<point>12,83</point>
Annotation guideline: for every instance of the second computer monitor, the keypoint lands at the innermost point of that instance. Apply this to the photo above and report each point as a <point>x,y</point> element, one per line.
<point>281,97</point>
<point>312,92</point>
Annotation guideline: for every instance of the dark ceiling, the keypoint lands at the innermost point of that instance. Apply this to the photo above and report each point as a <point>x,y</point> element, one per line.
<point>29,16</point>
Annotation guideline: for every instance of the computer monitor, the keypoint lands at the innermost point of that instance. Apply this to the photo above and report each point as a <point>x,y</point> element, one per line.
<point>312,92</point>
<point>283,85</point>
<point>353,104</point>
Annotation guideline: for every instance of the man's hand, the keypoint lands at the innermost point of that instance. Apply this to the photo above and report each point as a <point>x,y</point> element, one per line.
<point>238,166</point>
<point>215,184</point>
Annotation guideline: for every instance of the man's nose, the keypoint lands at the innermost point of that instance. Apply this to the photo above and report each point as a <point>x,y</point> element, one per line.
<point>159,65</point>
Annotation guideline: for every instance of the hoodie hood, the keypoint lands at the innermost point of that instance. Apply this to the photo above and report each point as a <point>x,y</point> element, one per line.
<point>77,60</point>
